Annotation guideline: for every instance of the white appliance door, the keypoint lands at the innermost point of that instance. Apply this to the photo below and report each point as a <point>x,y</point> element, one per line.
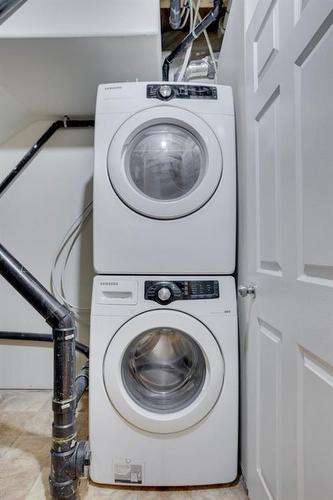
<point>164,162</point>
<point>163,371</point>
<point>286,249</point>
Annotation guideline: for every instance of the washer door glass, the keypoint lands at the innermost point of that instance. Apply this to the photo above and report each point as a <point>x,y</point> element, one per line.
<point>165,162</point>
<point>163,370</point>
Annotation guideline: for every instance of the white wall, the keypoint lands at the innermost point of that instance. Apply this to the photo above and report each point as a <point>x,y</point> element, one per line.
<point>54,53</point>
<point>14,116</point>
<point>35,213</point>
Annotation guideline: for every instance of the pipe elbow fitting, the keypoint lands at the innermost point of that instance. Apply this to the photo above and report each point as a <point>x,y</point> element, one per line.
<point>175,14</point>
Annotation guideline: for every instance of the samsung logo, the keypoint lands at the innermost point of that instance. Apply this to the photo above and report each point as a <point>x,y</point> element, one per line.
<point>113,88</point>
<point>109,283</point>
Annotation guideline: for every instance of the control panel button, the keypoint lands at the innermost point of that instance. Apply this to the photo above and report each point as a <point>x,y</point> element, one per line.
<point>164,294</point>
<point>165,91</point>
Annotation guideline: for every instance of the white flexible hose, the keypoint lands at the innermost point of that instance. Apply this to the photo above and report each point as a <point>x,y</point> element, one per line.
<point>182,71</point>
<point>195,6</point>
<point>63,270</point>
<point>186,11</point>
<point>70,239</point>
<point>189,48</point>
<point>209,45</point>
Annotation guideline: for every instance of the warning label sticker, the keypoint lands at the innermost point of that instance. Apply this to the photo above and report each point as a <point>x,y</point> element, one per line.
<point>127,471</point>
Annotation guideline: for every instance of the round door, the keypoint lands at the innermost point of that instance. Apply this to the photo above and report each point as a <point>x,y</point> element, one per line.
<point>164,162</point>
<point>163,371</point>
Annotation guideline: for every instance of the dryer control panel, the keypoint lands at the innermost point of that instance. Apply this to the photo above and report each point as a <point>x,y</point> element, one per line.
<point>165,292</point>
<point>165,92</point>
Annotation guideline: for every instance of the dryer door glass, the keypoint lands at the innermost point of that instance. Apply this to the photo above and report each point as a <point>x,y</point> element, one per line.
<point>165,162</point>
<point>163,370</point>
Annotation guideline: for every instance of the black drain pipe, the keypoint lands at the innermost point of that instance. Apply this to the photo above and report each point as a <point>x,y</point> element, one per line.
<point>40,337</point>
<point>69,458</point>
<point>82,382</point>
<point>175,18</point>
<point>8,7</point>
<point>207,20</point>
<point>58,124</point>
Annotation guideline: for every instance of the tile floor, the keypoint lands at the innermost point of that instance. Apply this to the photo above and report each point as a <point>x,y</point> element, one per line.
<point>25,424</point>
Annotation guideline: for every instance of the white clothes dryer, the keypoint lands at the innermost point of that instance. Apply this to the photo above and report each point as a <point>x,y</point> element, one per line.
<point>163,395</point>
<point>164,179</point>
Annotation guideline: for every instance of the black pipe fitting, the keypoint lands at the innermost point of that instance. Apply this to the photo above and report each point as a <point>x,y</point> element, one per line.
<point>66,453</point>
<point>63,482</point>
<point>81,459</point>
<point>8,7</point>
<point>67,468</point>
<point>212,16</point>
<point>40,337</point>
<point>58,124</point>
<point>26,285</point>
<point>175,14</point>
<point>69,459</point>
<point>82,382</point>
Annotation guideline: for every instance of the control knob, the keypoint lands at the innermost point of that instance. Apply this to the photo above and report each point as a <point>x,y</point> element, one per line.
<point>164,294</point>
<point>165,91</point>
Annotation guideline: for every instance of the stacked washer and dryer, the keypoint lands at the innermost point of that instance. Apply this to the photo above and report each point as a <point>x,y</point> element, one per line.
<point>163,407</point>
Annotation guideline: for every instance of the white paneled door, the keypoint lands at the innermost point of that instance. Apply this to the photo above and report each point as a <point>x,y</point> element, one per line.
<point>288,346</point>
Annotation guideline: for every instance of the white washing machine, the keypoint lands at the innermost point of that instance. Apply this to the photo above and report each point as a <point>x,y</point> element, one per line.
<point>164,179</point>
<point>163,392</point>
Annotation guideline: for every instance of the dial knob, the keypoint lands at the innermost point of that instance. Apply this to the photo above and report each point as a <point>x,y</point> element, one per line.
<point>165,91</point>
<point>164,294</point>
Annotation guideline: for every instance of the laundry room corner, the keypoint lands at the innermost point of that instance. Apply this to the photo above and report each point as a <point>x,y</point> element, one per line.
<point>166,252</point>
<point>41,53</point>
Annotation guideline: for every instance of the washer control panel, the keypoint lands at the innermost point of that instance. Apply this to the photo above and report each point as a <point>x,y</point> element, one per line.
<point>165,92</point>
<point>165,292</point>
